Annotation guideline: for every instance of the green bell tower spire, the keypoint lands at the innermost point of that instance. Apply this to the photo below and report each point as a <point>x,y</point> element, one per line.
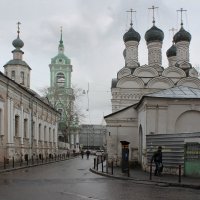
<point>60,68</point>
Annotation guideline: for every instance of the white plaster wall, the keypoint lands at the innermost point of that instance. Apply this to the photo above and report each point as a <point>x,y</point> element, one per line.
<point>142,121</point>
<point>172,116</point>
<point>154,53</point>
<point>121,127</point>
<point>182,51</point>
<point>131,52</point>
<point>188,122</point>
<point>18,69</point>
<point>117,134</point>
<point>1,117</point>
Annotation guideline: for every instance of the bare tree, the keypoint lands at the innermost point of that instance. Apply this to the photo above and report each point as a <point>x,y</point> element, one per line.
<point>66,101</point>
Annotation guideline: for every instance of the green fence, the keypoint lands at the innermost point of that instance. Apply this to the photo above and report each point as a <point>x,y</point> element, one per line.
<point>192,159</point>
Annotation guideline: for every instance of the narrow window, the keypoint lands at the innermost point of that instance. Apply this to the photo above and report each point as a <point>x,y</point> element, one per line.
<point>33,130</point>
<point>39,131</point>
<point>13,75</point>
<point>50,139</point>
<point>22,78</point>
<point>16,125</point>
<point>25,128</point>
<point>45,134</point>
<point>53,135</point>
<point>28,81</point>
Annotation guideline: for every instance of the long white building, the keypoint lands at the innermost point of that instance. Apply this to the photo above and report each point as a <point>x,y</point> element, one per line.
<point>28,124</point>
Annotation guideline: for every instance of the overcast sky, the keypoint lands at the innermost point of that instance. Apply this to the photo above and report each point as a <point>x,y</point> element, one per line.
<point>92,35</point>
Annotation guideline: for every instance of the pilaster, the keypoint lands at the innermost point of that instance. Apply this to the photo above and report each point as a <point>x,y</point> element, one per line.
<point>182,51</point>
<point>154,53</point>
<point>21,126</point>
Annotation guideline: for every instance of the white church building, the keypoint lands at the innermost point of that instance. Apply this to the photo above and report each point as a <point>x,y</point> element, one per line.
<point>154,105</point>
<point>28,122</point>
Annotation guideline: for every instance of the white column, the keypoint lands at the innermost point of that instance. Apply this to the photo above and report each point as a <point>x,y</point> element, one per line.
<point>154,53</point>
<point>72,139</point>
<point>2,118</point>
<point>37,129</point>
<point>29,126</point>
<point>172,61</point>
<point>21,125</point>
<point>77,138</point>
<point>9,121</point>
<point>56,135</point>
<point>77,142</point>
<point>12,121</point>
<point>182,51</point>
<point>131,58</point>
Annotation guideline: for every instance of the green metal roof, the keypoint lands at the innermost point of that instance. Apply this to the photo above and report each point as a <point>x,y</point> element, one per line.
<point>60,59</point>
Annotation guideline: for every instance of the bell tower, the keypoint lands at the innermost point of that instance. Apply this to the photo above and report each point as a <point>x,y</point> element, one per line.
<point>17,69</point>
<point>60,68</point>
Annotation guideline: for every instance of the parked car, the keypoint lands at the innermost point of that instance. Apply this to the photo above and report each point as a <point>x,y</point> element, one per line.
<point>99,152</point>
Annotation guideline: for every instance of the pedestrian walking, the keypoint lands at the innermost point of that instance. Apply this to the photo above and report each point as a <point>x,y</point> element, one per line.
<point>82,154</point>
<point>88,154</point>
<point>157,158</point>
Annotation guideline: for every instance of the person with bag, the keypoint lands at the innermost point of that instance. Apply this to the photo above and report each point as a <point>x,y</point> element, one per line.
<point>82,154</point>
<point>157,158</point>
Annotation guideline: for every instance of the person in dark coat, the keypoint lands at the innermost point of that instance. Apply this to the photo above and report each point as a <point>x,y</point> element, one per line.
<point>88,154</point>
<point>157,158</point>
<point>82,153</point>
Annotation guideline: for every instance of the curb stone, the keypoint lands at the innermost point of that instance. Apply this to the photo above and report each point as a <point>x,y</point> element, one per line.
<point>29,166</point>
<point>148,182</point>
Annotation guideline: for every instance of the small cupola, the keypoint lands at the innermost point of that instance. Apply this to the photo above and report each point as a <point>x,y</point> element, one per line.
<point>182,35</point>
<point>154,34</point>
<point>171,51</point>
<point>131,35</point>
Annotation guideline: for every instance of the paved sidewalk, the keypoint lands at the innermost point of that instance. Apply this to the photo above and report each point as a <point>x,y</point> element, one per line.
<point>144,177</point>
<point>24,166</point>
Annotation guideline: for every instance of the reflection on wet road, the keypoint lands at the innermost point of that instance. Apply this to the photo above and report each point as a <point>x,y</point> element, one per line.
<point>72,180</point>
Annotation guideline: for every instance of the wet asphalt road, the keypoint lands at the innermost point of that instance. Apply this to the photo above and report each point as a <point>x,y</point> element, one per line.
<point>72,180</point>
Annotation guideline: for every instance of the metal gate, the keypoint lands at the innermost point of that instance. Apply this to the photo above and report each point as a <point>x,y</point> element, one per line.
<point>192,159</point>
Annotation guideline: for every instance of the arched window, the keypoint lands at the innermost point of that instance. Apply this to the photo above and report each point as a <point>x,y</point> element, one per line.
<point>45,133</point>
<point>28,81</point>
<point>33,130</point>
<point>54,135</point>
<point>22,78</point>
<point>60,79</point>
<point>13,75</point>
<point>16,125</point>
<point>50,138</point>
<point>25,128</point>
<point>39,132</point>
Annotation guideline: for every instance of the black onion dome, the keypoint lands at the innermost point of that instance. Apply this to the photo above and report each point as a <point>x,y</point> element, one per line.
<point>182,35</point>
<point>18,43</point>
<point>154,34</point>
<point>131,35</point>
<point>171,51</point>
